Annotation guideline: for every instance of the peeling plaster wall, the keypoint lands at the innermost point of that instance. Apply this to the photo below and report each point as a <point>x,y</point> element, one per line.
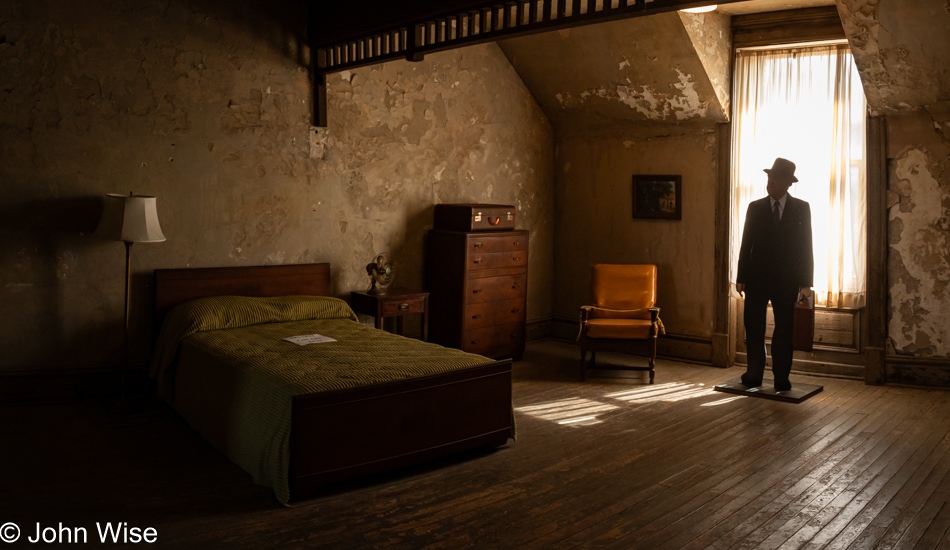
<point>639,69</point>
<point>595,217</point>
<point>902,50</point>
<point>206,104</point>
<point>918,236</point>
<point>711,34</point>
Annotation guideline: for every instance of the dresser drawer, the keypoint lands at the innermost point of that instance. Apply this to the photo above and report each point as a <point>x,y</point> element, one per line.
<point>485,314</point>
<point>478,243</point>
<point>494,288</point>
<point>494,341</point>
<point>494,260</point>
<point>399,307</point>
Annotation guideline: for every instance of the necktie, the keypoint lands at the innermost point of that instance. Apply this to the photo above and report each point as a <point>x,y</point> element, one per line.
<point>776,215</point>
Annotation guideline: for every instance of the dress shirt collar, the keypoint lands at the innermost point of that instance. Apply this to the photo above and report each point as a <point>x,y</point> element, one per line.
<point>781,202</point>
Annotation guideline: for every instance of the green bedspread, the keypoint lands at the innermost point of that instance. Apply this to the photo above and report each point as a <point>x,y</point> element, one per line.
<point>223,363</point>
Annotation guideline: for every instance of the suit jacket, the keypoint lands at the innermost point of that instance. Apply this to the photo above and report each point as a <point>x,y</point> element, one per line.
<point>776,256</point>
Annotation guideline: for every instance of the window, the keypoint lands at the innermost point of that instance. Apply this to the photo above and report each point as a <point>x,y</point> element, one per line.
<point>806,104</point>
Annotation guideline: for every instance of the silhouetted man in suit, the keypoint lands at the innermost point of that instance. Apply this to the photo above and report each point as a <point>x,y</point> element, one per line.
<point>775,264</point>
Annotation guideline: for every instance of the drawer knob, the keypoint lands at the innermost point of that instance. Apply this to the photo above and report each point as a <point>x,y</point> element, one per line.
<point>476,291</point>
<point>403,307</point>
<point>514,335</point>
<point>477,245</point>
<point>477,261</point>
<point>475,341</point>
<point>516,258</point>
<point>517,243</point>
<point>476,316</point>
<point>514,287</point>
<point>516,310</point>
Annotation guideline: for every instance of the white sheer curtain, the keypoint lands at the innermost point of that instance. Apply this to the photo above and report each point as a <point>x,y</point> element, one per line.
<point>806,104</point>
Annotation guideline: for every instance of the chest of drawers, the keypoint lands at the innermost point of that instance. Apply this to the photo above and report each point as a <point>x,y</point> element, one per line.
<point>477,284</point>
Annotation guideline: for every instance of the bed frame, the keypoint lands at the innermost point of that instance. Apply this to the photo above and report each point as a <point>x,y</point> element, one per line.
<point>348,433</point>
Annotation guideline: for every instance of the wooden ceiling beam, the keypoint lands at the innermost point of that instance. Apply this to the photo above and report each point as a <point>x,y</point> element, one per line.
<point>347,35</point>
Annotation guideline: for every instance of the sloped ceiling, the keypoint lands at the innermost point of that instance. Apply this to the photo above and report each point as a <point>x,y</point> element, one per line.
<point>652,68</point>
<point>902,50</point>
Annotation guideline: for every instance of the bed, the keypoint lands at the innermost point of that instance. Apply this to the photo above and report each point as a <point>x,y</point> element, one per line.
<point>299,417</point>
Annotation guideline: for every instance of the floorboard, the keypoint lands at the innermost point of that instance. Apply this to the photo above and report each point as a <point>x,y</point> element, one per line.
<point>612,462</point>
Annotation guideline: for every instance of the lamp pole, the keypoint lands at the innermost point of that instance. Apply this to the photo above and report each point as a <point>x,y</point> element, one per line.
<point>128,300</point>
<point>130,219</point>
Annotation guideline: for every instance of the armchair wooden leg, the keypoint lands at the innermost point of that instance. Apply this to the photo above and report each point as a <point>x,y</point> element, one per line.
<point>652,365</point>
<point>583,364</point>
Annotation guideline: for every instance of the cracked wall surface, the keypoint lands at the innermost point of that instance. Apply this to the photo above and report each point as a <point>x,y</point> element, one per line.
<point>206,104</point>
<point>711,35</point>
<point>635,70</point>
<point>902,51</point>
<point>918,237</point>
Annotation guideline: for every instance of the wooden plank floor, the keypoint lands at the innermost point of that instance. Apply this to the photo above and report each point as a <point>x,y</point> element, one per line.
<point>608,463</point>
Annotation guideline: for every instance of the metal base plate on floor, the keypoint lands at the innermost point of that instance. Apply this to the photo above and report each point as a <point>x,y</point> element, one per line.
<point>797,394</point>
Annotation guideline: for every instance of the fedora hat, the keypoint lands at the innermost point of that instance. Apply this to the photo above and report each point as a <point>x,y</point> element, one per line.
<point>782,167</point>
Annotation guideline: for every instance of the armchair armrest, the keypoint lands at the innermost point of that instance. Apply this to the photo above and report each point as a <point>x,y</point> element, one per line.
<point>585,311</point>
<point>654,311</point>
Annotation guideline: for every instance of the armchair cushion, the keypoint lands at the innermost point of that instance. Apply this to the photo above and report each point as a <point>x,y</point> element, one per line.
<point>622,287</point>
<point>623,329</point>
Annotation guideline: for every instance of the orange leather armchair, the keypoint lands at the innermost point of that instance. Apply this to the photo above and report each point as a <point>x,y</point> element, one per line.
<point>623,316</point>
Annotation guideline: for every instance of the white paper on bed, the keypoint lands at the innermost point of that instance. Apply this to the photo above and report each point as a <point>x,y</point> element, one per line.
<point>305,339</point>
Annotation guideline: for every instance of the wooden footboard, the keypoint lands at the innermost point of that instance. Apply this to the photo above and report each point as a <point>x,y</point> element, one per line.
<point>349,433</point>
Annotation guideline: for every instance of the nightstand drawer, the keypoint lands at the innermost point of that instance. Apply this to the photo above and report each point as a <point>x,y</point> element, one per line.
<point>400,307</point>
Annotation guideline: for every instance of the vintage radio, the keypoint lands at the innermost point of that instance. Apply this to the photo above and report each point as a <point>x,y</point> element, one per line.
<point>474,217</point>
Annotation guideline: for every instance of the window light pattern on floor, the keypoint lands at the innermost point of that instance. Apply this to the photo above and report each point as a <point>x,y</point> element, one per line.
<point>577,411</point>
<point>674,391</point>
<point>723,401</point>
<point>573,412</point>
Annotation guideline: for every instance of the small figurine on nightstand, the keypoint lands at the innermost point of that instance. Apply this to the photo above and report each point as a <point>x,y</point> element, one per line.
<point>380,272</point>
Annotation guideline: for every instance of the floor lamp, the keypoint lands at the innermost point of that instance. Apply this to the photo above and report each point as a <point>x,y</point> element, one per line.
<point>130,219</point>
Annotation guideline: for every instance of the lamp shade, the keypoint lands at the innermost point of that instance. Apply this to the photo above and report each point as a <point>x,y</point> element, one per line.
<point>133,219</point>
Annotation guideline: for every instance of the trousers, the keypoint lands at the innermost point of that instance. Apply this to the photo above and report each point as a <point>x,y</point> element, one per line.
<point>783,310</point>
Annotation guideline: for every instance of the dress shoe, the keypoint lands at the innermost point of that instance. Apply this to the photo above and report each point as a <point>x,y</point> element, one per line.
<point>783,386</point>
<point>751,383</point>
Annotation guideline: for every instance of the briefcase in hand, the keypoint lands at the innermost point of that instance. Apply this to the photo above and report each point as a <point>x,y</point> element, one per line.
<point>803,327</point>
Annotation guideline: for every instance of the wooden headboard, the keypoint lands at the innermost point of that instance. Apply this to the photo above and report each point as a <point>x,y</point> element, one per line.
<point>175,286</point>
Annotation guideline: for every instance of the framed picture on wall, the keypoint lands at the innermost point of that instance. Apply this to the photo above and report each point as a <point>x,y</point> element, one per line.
<point>658,197</point>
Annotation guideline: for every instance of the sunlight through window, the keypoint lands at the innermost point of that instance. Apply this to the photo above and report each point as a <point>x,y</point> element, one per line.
<point>806,104</point>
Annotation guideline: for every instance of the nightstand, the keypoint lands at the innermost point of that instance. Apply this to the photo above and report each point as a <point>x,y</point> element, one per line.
<point>395,303</point>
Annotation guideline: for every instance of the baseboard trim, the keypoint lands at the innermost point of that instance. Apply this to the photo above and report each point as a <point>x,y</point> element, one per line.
<point>815,368</point>
<point>679,347</point>
<point>913,372</point>
<point>538,329</point>
<point>923,372</point>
